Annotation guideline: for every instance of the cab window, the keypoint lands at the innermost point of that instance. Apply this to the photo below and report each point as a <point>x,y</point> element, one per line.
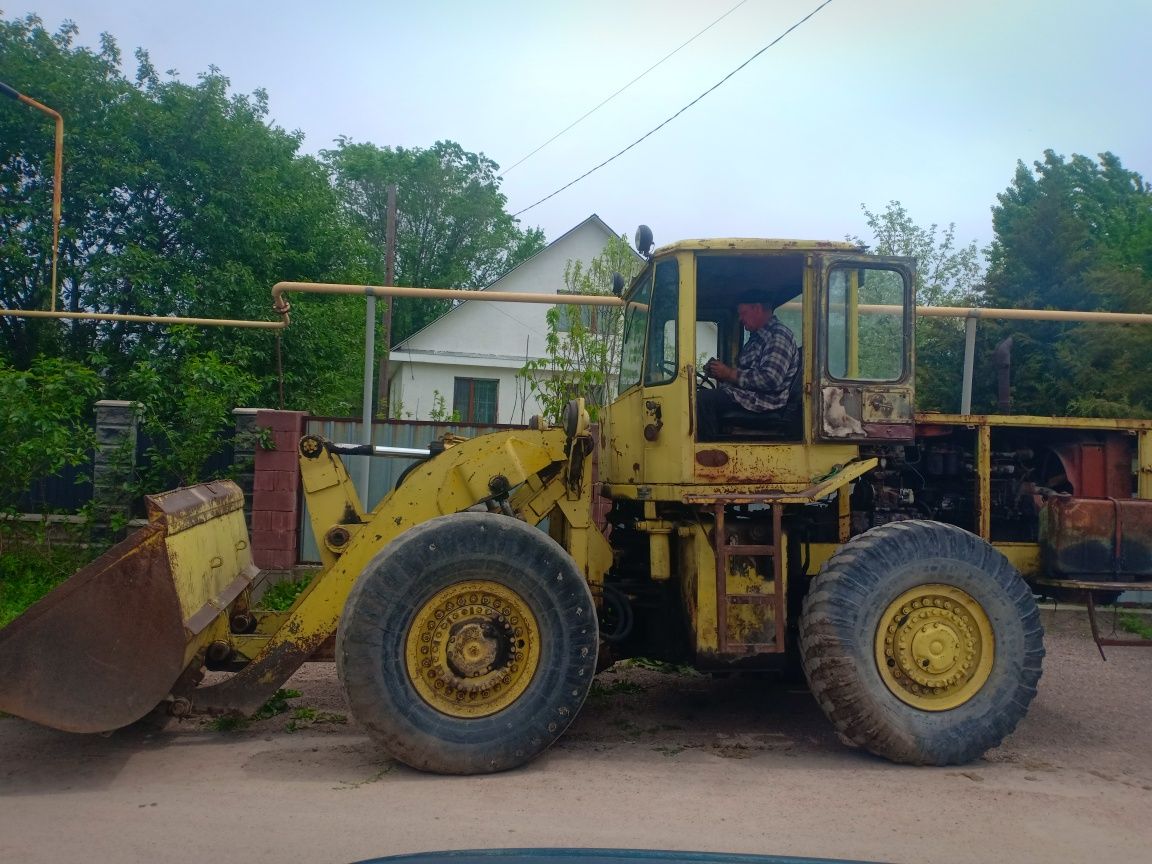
<point>635,329</point>
<point>663,358</point>
<point>865,322</point>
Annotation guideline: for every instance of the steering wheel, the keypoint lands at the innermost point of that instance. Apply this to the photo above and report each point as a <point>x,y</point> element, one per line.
<point>704,380</point>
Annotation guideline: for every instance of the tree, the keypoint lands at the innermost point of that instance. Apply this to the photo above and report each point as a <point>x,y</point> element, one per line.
<point>183,403</point>
<point>1075,234</point>
<point>452,229</point>
<point>946,275</point>
<point>179,199</point>
<point>46,421</point>
<point>583,342</point>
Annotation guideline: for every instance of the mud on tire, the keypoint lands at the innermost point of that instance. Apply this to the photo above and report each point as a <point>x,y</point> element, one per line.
<point>468,644</point>
<point>847,615</point>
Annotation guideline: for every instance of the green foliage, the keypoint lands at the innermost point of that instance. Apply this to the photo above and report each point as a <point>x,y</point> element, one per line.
<point>1075,234</point>
<point>600,693</point>
<point>452,229</point>
<point>30,567</point>
<point>281,596</point>
<point>278,704</point>
<point>947,275</point>
<point>183,401</point>
<point>575,366</point>
<point>306,717</point>
<point>439,412</point>
<point>46,421</point>
<point>1138,624</point>
<point>179,199</point>
<point>661,666</point>
<point>185,199</point>
<point>583,342</point>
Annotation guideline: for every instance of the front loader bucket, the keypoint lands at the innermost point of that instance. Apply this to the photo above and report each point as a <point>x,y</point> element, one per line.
<point>106,647</point>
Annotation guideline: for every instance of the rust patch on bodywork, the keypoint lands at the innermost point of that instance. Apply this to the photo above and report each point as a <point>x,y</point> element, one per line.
<point>108,645</point>
<point>1108,539</point>
<point>101,650</point>
<point>711,458</point>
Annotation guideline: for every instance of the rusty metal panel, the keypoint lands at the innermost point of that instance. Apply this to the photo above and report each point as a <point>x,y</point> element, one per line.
<point>108,645</point>
<point>1104,538</point>
<point>101,650</point>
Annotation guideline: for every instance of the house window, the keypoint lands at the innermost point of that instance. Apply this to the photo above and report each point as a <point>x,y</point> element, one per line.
<point>474,399</point>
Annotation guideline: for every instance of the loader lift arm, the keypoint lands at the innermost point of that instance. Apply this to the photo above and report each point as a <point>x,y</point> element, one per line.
<point>527,474</point>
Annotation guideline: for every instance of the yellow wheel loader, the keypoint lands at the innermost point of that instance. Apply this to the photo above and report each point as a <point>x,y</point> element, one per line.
<point>892,556</point>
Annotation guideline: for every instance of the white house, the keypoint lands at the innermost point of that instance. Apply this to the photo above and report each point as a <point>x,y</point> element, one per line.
<point>465,362</point>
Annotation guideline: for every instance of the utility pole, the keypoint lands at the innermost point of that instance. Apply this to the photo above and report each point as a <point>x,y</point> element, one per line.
<point>384,390</point>
<point>370,346</point>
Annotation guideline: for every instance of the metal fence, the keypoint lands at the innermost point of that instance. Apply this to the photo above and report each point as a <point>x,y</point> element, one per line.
<point>67,491</point>
<point>383,472</point>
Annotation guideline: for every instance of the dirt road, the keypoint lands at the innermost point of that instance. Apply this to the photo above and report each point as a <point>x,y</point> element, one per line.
<point>654,760</point>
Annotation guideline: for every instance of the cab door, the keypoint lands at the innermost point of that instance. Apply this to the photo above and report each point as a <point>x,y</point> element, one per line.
<point>648,422</point>
<point>865,349</point>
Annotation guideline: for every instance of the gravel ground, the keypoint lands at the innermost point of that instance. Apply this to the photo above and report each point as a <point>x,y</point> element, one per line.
<point>655,760</point>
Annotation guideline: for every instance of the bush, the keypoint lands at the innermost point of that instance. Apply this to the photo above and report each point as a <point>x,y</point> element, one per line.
<point>46,422</point>
<point>31,566</point>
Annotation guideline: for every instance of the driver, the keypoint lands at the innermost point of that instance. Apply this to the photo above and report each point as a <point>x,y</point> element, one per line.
<point>760,382</point>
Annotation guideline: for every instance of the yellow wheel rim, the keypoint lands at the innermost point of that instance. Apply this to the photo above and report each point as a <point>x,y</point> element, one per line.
<point>473,649</point>
<point>934,647</point>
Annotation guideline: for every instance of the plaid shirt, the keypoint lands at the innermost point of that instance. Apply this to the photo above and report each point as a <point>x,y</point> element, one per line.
<point>768,362</point>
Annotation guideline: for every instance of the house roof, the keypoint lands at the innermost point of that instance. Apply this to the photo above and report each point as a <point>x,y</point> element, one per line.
<point>593,219</point>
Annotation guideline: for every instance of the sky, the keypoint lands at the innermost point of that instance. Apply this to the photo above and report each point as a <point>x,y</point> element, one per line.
<point>927,103</point>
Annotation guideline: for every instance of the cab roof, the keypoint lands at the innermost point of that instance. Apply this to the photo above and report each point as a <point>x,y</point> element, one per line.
<point>757,244</point>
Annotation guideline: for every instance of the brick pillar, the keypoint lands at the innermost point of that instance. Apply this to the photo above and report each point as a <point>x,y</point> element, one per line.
<point>276,492</point>
<point>114,462</point>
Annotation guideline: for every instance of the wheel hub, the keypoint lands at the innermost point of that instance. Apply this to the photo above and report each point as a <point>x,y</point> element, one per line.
<point>934,647</point>
<point>472,649</point>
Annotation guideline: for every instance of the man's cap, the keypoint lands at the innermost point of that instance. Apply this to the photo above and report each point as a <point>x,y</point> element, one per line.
<point>755,295</point>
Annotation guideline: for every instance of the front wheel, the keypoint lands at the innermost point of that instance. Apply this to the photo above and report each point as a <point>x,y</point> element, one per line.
<point>468,644</point>
<point>922,643</point>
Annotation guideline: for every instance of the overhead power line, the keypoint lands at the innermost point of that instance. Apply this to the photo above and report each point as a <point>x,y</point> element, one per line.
<point>651,132</point>
<point>588,114</point>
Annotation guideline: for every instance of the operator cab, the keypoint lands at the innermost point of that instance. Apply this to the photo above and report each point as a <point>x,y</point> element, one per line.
<point>721,279</point>
<point>850,314</point>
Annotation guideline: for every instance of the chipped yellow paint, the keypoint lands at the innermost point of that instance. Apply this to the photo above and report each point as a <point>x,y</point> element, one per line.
<point>1144,478</point>
<point>1025,557</point>
<point>1028,420</point>
<point>698,585</point>
<point>756,244</point>
<point>529,459</point>
<point>934,647</point>
<point>473,649</point>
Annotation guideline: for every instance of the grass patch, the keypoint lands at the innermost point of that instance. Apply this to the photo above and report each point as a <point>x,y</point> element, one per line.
<point>600,692</point>
<point>1130,622</point>
<point>302,718</point>
<point>661,666</point>
<point>281,596</point>
<point>27,573</point>
<point>227,723</point>
<point>278,704</point>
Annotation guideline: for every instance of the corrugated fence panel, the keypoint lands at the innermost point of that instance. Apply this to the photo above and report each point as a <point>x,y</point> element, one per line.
<point>383,470</point>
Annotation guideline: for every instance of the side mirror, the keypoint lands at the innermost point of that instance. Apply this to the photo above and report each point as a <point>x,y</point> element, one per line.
<point>644,241</point>
<point>617,284</point>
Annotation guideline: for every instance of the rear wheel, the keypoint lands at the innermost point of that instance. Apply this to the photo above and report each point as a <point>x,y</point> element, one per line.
<point>921,643</point>
<point>468,644</point>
